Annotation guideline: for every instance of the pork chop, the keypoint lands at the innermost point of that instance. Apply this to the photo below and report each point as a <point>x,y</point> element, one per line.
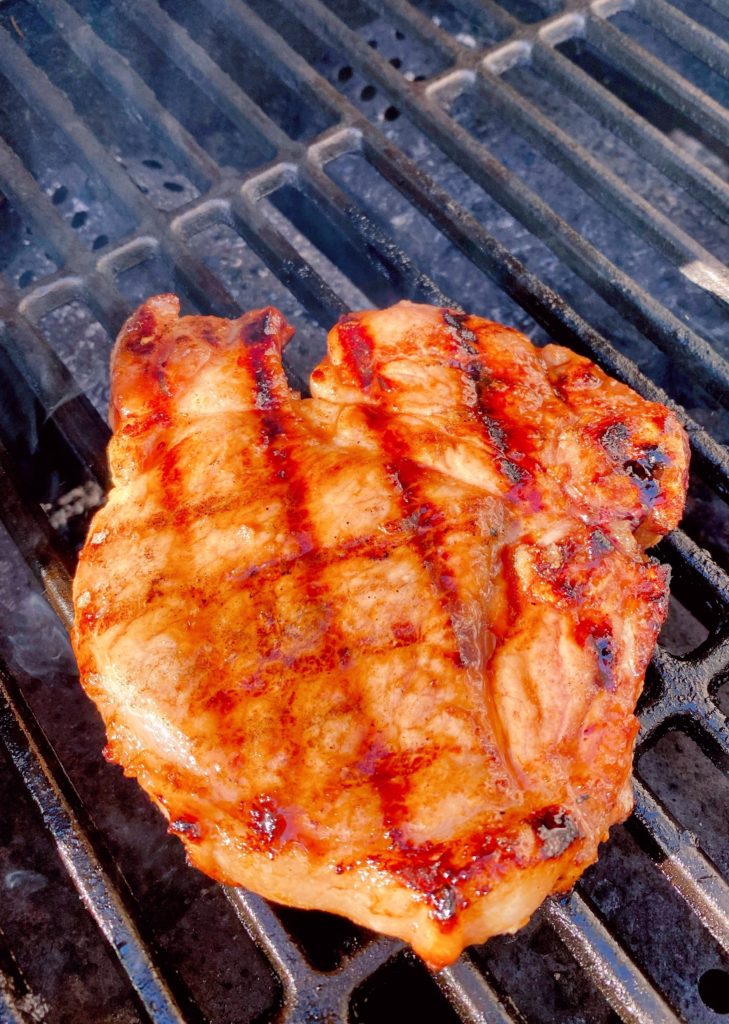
<point>377,651</point>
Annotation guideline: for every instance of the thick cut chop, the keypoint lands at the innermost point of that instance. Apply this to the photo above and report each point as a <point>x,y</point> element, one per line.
<point>377,651</point>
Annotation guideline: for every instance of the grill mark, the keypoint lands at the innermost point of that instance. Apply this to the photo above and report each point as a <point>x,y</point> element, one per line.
<point>357,350</point>
<point>425,518</point>
<point>519,469</point>
<point>159,405</point>
<point>396,534</point>
<point>278,427</point>
<point>466,353</point>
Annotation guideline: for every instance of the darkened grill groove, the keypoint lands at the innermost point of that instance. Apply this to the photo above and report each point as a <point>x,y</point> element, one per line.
<point>681,690</point>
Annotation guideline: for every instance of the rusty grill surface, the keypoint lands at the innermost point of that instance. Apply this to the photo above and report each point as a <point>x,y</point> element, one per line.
<point>563,167</point>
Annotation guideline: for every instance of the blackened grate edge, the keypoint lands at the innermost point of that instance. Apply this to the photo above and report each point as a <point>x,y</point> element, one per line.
<point>684,683</point>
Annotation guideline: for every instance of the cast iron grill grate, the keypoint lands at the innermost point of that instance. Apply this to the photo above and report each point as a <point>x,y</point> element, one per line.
<point>559,166</point>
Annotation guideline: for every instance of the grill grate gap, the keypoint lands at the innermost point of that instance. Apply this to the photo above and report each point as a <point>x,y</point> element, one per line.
<point>326,940</point>
<point>401,990</point>
<point>682,632</point>
<point>296,217</point>
<point>84,346</point>
<point>721,696</point>
<point>149,277</point>
<point>471,25</point>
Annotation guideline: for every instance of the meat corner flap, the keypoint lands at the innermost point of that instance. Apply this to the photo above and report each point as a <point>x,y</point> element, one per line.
<point>377,651</point>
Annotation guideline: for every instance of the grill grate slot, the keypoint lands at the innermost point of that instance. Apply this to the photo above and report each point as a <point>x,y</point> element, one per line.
<point>276,146</point>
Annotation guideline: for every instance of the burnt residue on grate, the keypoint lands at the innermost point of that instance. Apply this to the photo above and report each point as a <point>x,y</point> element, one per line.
<point>559,165</point>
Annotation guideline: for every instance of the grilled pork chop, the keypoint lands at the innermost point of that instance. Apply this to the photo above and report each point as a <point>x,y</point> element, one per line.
<point>377,651</point>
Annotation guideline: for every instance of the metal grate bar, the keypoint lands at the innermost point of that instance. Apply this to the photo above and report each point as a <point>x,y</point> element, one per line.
<point>308,994</point>
<point>393,264</point>
<point>685,695</point>
<point>190,55</point>
<point>689,34</point>
<point>150,19</point>
<point>617,977</point>
<point>651,143</point>
<point>206,289</point>
<point>688,870</point>
<point>471,995</point>
<point>708,450</point>
<point>638,63</point>
<point>33,759</point>
<point>41,370</point>
<point>119,78</point>
<point>612,284</point>
<point>288,265</point>
<point>699,562</point>
<point>720,6</point>
<point>694,262</point>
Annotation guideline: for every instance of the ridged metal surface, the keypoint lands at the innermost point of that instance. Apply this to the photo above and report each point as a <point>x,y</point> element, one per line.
<point>683,687</point>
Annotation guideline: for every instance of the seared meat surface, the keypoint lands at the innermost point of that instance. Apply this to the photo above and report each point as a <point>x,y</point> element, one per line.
<point>377,651</point>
